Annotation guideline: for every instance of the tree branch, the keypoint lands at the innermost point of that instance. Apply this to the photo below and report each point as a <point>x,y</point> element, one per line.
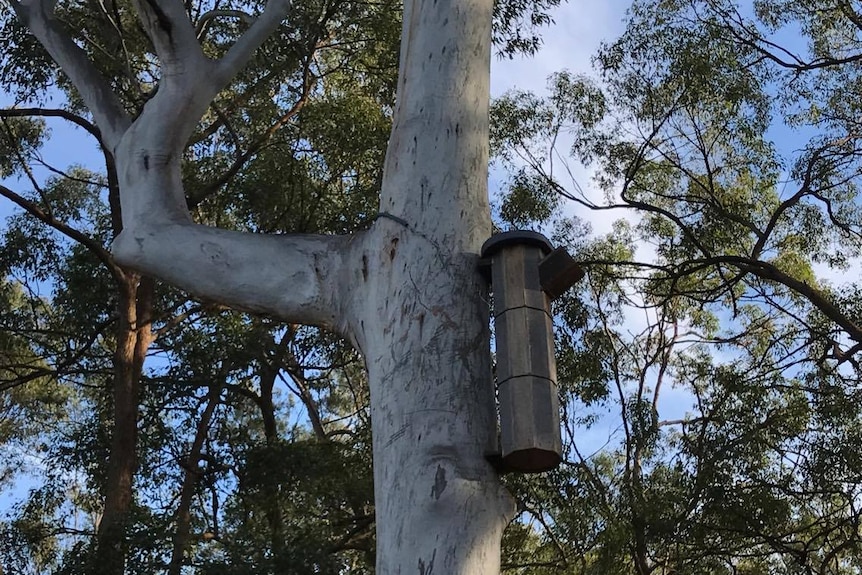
<point>190,80</point>
<point>749,37</point>
<point>97,94</point>
<point>191,476</point>
<point>92,245</point>
<point>207,17</point>
<point>263,26</point>
<point>768,271</point>
<point>53,113</point>
<point>305,272</point>
<point>294,277</point>
<point>174,38</point>
<point>255,146</point>
<point>59,369</point>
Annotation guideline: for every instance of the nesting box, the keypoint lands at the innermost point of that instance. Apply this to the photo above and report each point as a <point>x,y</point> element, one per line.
<point>525,273</point>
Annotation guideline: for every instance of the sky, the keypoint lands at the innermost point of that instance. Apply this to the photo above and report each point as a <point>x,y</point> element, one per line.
<point>580,26</point>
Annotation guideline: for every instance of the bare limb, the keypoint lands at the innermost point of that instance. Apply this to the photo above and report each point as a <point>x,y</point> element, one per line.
<point>296,277</point>
<point>101,100</point>
<point>53,113</point>
<point>242,50</point>
<point>174,38</point>
<point>207,17</point>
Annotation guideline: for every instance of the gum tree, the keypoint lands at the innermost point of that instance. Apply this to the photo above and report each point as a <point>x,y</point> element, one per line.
<point>406,292</point>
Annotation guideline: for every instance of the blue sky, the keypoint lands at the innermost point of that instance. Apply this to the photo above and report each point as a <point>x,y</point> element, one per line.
<point>67,145</point>
<point>580,27</point>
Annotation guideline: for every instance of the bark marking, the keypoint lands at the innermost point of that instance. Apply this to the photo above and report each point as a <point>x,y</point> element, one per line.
<point>213,251</point>
<point>397,435</point>
<point>438,488</point>
<point>423,570</point>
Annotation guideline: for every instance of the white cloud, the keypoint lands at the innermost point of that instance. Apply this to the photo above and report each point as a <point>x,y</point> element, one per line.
<point>569,44</point>
<point>580,26</point>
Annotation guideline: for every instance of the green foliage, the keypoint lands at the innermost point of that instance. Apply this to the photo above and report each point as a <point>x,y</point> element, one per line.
<point>295,144</point>
<point>524,132</point>
<point>26,70</point>
<point>517,24</point>
<point>18,137</point>
<point>708,363</point>
<point>317,493</point>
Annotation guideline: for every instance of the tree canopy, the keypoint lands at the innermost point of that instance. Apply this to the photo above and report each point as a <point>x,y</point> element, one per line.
<point>718,334</point>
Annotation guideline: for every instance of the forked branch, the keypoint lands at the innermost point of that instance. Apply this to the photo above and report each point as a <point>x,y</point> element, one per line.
<point>292,277</point>
<point>110,115</point>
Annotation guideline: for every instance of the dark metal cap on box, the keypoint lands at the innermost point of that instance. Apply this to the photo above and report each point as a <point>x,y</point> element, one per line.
<point>558,270</point>
<point>519,237</point>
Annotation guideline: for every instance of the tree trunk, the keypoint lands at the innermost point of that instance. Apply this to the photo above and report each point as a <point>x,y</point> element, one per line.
<point>268,374</point>
<point>423,326</point>
<point>438,503</point>
<point>133,339</point>
<point>183,516</point>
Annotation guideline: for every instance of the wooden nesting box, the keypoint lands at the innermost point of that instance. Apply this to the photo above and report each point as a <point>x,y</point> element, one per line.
<point>526,370</point>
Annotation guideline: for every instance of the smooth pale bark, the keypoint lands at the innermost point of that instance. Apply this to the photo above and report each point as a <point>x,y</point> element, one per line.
<point>103,103</point>
<point>407,292</point>
<point>293,277</point>
<point>439,506</point>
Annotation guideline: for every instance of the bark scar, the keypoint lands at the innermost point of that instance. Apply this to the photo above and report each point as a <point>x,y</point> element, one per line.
<point>423,570</point>
<point>439,487</point>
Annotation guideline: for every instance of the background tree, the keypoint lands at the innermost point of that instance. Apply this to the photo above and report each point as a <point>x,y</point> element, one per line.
<point>730,285</point>
<point>708,363</point>
<point>218,149</point>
